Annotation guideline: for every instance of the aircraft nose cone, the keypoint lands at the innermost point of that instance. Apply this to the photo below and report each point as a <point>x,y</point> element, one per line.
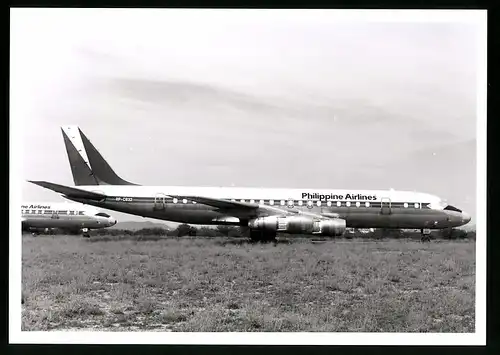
<point>465,217</point>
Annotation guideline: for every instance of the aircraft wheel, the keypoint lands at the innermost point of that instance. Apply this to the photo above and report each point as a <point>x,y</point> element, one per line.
<point>263,237</point>
<point>255,236</point>
<point>426,236</point>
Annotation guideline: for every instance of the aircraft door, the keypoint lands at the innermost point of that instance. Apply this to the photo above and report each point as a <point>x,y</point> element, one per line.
<point>159,203</point>
<point>385,206</point>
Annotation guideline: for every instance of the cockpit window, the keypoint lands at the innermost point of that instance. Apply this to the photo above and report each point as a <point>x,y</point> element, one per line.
<point>102,214</point>
<point>451,208</point>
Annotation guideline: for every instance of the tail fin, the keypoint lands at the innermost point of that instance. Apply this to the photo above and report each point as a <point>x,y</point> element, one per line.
<point>87,164</point>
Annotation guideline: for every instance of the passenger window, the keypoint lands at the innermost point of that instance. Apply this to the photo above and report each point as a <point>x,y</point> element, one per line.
<point>348,204</point>
<point>329,203</point>
<point>175,200</point>
<point>318,203</point>
<point>405,205</point>
<point>184,200</point>
<point>262,202</point>
<point>271,202</point>
<point>252,201</point>
<point>367,204</point>
<point>301,203</point>
<point>339,203</point>
<point>71,213</point>
<point>242,200</point>
<point>417,205</point>
<point>81,213</point>
<point>358,204</point>
<point>309,204</point>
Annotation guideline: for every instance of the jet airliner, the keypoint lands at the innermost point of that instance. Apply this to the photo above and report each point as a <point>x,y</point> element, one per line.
<point>71,217</point>
<point>264,212</point>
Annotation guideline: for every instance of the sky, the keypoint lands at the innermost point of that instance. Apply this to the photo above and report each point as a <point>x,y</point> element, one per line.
<point>291,99</point>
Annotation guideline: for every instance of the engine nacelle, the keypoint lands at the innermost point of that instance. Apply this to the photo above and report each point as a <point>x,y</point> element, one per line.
<point>332,227</point>
<point>299,225</point>
<point>295,224</point>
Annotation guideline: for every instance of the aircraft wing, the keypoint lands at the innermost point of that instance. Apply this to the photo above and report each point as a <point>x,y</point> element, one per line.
<point>236,206</point>
<point>219,203</point>
<point>239,208</point>
<point>69,191</point>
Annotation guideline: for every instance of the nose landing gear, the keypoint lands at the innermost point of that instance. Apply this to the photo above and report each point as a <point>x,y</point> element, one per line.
<point>85,233</point>
<point>426,235</point>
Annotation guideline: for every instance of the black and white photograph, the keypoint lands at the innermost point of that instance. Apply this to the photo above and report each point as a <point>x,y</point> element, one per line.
<point>247,176</point>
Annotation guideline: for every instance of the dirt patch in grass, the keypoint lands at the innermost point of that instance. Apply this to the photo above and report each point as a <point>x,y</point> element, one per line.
<point>216,286</point>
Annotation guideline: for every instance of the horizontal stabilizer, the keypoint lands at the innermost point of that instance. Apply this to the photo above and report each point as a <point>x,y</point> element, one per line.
<point>69,191</point>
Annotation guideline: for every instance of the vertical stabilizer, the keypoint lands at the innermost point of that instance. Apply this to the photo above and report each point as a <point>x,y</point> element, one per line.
<point>78,160</point>
<point>87,164</point>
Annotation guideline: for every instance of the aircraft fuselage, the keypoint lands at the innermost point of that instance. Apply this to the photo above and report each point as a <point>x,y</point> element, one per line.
<point>359,208</point>
<point>63,216</point>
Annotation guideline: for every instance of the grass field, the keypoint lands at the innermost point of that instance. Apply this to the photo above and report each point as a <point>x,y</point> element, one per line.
<point>214,285</point>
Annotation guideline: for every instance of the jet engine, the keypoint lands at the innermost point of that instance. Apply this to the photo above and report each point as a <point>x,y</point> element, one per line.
<point>299,225</point>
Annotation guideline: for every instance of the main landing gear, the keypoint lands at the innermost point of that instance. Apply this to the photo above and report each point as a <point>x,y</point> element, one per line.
<point>426,235</point>
<point>263,236</point>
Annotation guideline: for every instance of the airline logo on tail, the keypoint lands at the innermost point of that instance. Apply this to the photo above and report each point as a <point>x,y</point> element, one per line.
<point>87,165</point>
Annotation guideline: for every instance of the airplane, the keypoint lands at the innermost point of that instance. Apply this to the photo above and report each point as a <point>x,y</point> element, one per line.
<point>70,217</point>
<point>263,212</point>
